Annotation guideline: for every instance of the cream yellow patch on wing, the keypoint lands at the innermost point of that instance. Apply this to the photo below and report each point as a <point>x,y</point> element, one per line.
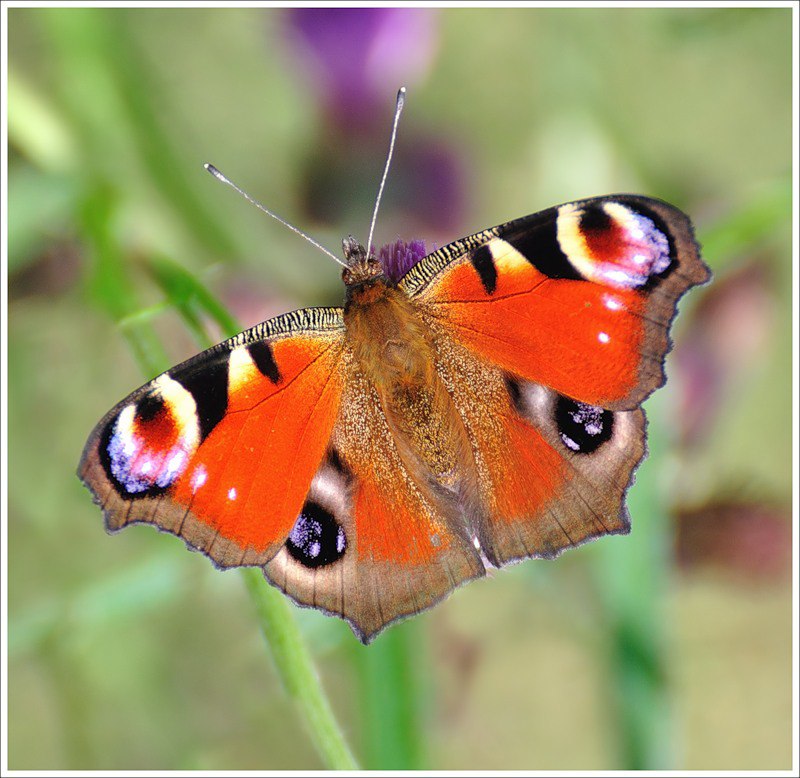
<point>506,258</point>
<point>123,427</point>
<point>241,369</point>
<point>626,218</point>
<point>571,239</point>
<point>182,408</point>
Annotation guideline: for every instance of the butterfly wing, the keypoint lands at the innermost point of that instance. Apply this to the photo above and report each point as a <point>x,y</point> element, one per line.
<point>550,331</point>
<point>552,472</point>
<point>221,449</point>
<point>272,449</point>
<point>578,298</point>
<point>373,543</point>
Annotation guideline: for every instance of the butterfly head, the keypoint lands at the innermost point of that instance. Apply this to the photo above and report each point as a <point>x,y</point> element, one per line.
<point>361,267</point>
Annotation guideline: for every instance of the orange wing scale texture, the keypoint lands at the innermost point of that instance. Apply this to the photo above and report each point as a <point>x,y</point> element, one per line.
<point>390,527</point>
<point>260,458</point>
<point>529,474</point>
<point>581,339</point>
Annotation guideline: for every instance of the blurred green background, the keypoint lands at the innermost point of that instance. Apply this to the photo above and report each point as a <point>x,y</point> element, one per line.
<point>669,648</point>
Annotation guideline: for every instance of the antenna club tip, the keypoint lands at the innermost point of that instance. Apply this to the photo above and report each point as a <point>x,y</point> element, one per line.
<point>214,172</point>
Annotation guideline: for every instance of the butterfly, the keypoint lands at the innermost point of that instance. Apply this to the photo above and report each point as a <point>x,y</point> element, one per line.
<point>482,409</point>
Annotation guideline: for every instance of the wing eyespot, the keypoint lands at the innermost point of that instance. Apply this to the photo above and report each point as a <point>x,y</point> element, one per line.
<point>316,539</point>
<point>579,427</point>
<point>615,243</point>
<point>149,443</point>
<point>582,428</point>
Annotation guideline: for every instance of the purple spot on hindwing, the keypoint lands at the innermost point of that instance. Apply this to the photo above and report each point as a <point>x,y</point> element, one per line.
<point>583,428</point>
<point>316,539</point>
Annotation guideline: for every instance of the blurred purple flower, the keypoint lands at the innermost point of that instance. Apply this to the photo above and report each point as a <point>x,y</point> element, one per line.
<point>355,57</point>
<point>399,257</point>
<point>425,193</point>
<point>430,186</point>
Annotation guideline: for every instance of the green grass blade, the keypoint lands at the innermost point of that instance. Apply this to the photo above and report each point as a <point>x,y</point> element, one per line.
<point>296,670</point>
<point>631,580</point>
<point>108,100</point>
<point>109,282</point>
<point>391,698</point>
<point>190,297</point>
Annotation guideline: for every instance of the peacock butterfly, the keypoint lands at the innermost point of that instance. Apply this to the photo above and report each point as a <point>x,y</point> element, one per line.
<point>481,409</point>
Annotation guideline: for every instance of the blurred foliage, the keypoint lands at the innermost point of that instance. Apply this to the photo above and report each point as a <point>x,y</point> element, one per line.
<point>130,653</point>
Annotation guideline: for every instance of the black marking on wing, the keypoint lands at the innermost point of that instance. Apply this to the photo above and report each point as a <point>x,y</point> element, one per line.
<point>208,384</point>
<point>583,428</point>
<point>149,407</point>
<point>538,243</point>
<point>263,358</point>
<point>336,462</point>
<point>594,218</point>
<point>317,539</point>
<point>483,262</point>
<point>515,394</point>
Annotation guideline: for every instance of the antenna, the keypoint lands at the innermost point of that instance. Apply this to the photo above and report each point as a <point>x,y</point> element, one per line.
<point>401,98</point>
<point>214,172</point>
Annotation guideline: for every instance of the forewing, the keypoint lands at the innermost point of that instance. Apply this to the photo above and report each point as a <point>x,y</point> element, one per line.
<point>221,449</point>
<point>578,298</point>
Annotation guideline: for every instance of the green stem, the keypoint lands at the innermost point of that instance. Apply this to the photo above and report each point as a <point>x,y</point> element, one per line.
<point>296,670</point>
<point>632,578</point>
<point>392,698</point>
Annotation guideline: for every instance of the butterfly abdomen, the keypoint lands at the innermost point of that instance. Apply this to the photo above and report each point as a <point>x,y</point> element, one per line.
<point>393,347</point>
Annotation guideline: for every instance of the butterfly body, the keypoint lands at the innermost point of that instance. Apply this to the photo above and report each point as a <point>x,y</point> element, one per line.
<point>394,351</point>
<point>481,409</point>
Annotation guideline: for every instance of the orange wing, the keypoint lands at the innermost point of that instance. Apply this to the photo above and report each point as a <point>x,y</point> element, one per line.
<point>221,450</point>
<point>578,298</point>
<point>550,331</point>
<point>272,449</point>
<point>552,472</point>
